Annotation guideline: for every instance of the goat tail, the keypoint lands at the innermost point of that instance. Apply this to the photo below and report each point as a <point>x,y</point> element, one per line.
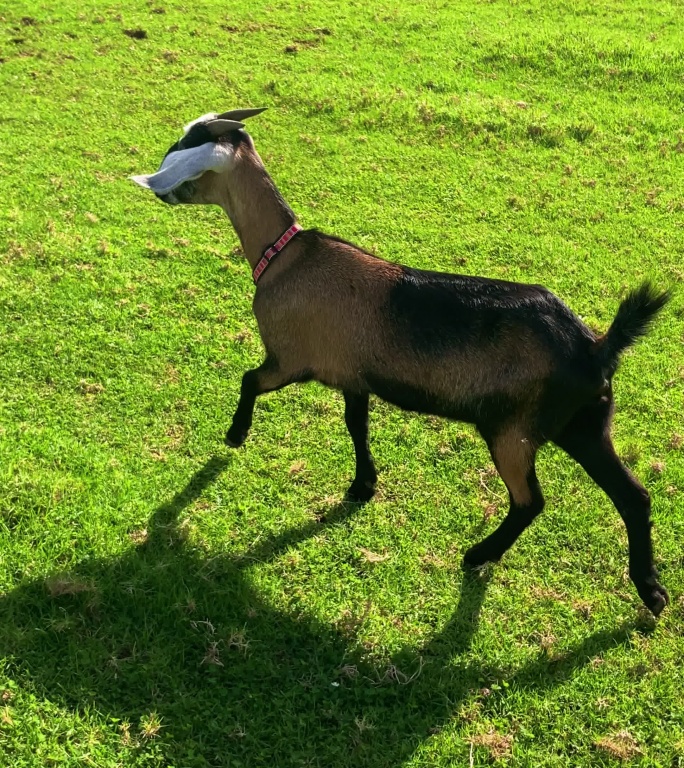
<point>633,319</point>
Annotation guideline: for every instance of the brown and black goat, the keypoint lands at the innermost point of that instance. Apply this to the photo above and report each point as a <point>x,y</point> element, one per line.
<point>509,358</point>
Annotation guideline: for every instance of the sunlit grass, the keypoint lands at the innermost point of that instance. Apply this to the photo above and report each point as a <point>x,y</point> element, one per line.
<point>168,602</point>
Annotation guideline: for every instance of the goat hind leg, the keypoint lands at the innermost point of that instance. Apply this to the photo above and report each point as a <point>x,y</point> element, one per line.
<point>513,456</point>
<point>596,454</point>
<point>356,419</point>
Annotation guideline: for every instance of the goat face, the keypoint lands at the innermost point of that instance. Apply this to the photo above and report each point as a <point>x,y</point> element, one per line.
<point>197,153</point>
<point>208,147</point>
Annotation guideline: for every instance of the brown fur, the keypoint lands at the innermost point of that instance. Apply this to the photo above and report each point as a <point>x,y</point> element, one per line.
<point>302,297</point>
<point>513,453</point>
<point>508,357</point>
<point>324,312</point>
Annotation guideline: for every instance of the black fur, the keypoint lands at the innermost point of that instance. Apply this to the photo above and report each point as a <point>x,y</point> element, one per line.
<point>478,409</point>
<point>199,134</point>
<point>632,321</point>
<point>255,383</point>
<point>356,419</point>
<point>587,439</point>
<point>440,311</point>
<point>195,137</point>
<point>492,549</point>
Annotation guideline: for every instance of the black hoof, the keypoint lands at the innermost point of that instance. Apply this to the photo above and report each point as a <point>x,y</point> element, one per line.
<point>655,597</point>
<point>650,590</point>
<point>360,491</point>
<point>235,437</point>
<point>478,556</point>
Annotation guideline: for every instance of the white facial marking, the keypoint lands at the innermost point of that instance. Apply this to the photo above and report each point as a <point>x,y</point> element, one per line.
<point>186,165</point>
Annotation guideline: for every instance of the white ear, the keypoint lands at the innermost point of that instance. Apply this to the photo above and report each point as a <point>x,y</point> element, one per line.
<point>186,165</point>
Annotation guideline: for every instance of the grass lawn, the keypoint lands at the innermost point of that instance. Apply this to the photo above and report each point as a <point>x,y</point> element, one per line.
<point>167,602</point>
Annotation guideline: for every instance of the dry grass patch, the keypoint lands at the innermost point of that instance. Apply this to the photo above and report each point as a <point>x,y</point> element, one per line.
<point>497,744</point>
<point>64,584</point>
<point>373,557</point>
<point>150,725</point>
<point>621,745</point>
<point>138,537</point>
<point>90,388</point>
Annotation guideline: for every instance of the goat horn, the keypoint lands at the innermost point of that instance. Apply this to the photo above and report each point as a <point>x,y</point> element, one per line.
<point>241,114</point>
<point>220,127</point>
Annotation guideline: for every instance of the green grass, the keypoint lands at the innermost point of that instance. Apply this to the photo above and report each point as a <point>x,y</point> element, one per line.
<point>166,602</point>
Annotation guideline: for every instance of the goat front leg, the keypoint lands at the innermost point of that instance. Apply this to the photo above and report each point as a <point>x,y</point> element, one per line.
<point>268,377</point>
<point>356,419</point>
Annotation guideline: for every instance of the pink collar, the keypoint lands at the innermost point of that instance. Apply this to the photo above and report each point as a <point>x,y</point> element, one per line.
<point>274,250</point>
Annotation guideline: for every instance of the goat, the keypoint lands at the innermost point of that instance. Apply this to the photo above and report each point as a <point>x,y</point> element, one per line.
<point>510,358</point>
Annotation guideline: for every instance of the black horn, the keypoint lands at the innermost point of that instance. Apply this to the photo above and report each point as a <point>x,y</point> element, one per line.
<point>241,114</point>
<point>220,127</point>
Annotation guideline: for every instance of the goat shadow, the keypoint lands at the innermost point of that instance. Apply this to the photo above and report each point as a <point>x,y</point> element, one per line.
<point>236,681</point>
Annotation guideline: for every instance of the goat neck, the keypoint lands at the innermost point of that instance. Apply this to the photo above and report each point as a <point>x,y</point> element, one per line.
<point>254,205</point>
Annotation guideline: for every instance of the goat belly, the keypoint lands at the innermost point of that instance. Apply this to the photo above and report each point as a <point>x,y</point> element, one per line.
<point>406,396</point>
<point>413,397</point>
